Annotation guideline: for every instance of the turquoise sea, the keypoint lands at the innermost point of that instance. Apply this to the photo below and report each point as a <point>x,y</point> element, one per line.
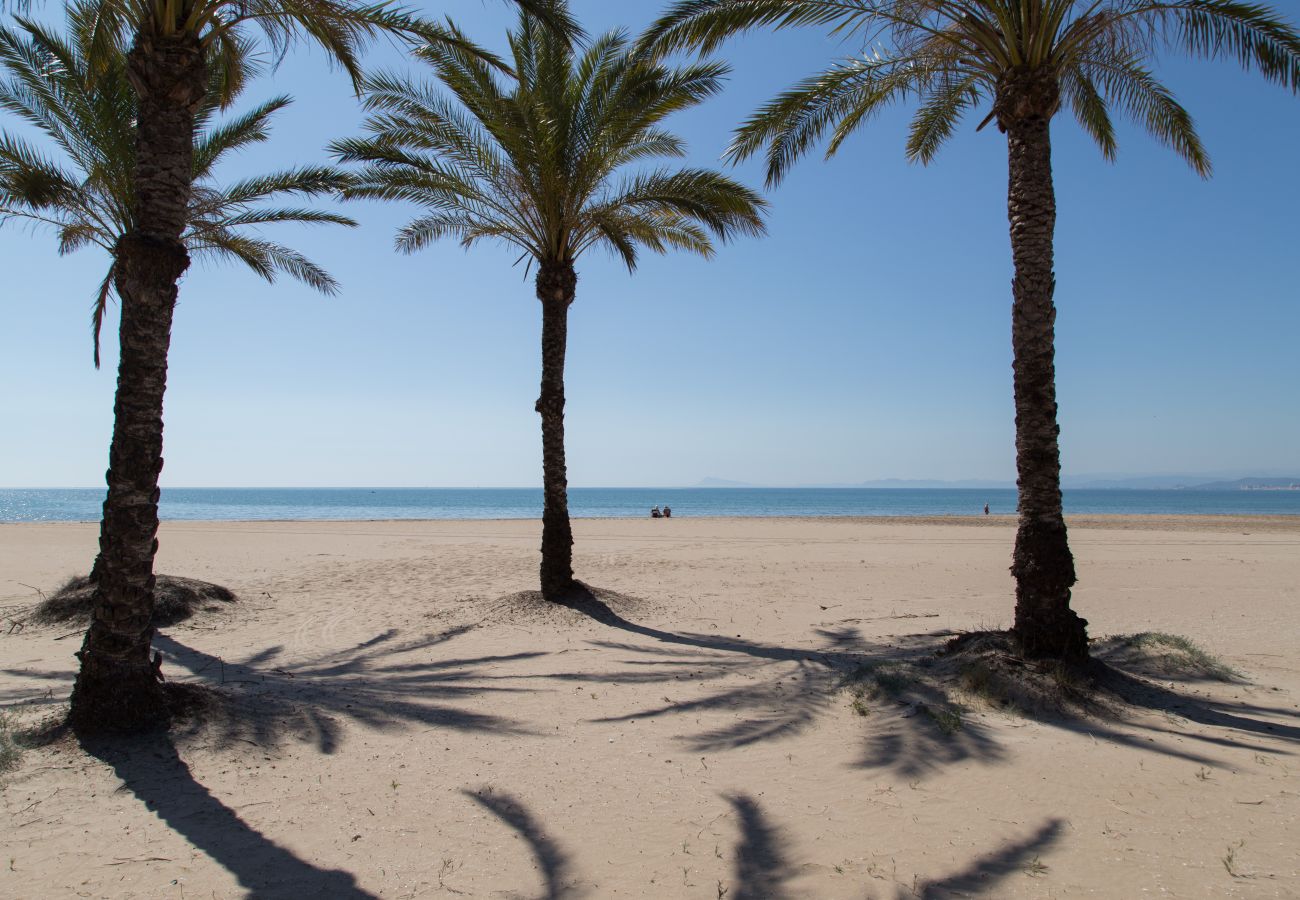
<point>83,505</point>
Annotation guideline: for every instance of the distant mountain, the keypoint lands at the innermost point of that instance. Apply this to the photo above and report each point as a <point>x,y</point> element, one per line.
<point>1252,484</point>
<point>1173,482</point>
<point>1131,483</point>
<point>720,483</point>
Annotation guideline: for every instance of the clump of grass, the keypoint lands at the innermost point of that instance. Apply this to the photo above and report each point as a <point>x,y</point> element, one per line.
<point>175,600</point>
<point>1229,860</point>
<point>1167,654</point>
<point>987,667</point>
<point>1035,868</point>
<point>904,683</point>
<point>868,684</point>
<point>981,680</point>
<point>9,749</point>
<point>948,718</point>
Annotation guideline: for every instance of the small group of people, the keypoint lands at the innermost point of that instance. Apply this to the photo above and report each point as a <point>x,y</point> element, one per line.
<point>665,513</point>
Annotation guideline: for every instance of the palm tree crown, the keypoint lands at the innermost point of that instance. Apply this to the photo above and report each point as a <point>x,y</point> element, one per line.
<point>89,197</point>
<point>538,161</point>
<point>951,55</point>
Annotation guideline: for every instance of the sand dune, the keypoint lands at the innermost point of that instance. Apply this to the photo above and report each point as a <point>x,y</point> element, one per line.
<point>400,718</point>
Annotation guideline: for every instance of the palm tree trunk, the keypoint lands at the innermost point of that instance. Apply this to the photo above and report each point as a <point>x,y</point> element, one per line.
<point>117,688</point>
<point>556,284</point>
<point>1042,564</point>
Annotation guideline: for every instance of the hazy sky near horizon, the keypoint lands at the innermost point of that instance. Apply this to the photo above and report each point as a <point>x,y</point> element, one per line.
<point>868,336</point>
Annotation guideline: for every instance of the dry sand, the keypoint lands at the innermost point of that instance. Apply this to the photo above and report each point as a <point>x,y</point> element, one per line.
<point>398,725</point>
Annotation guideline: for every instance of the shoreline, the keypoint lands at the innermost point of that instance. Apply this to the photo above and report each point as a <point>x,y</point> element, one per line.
<point>1120,521</point>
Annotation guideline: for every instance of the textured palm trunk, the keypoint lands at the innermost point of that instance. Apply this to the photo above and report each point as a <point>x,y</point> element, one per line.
<point>556,284</point>
<point>117,687</point>
<point>1042,564</point>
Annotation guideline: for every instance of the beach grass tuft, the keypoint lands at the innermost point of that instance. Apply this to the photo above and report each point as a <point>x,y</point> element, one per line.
<point>1160,654</point>
<point>9,748</point>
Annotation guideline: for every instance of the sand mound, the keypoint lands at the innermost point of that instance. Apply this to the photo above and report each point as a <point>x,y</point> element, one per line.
<point>1154,654</point>
<point>586,605</point>
<point>175,600</point>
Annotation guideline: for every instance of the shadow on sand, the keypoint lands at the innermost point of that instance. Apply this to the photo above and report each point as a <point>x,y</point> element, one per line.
<point>788,688</point>
<point>265,698</point>
<point>761,861</point>
<point>982,875</point>
<point>152,770</point>
<point>761,868</point>
<point>549,856</point>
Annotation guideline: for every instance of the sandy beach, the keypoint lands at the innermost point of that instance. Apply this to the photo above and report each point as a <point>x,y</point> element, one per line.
<point>400,721</point>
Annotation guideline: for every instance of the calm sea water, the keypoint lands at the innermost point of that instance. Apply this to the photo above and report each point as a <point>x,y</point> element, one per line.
<point>62,505</point>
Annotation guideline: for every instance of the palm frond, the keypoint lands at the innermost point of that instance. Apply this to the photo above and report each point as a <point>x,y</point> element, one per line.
<point>937,117</point>
<point>1151,105</point>
<point>706,24</point>
<point>1090,110</point>
<point>100,308</point>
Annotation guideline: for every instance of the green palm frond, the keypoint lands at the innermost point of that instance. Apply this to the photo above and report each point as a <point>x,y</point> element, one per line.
<point>84,108</point>
<point>707,24</point>
<point>1090,110</point>
<point>544,158</point>
<point>234,134</point>
<point>266,258</point>
<point>937,117</point>
<point>840,99</point>
<point>1151,105</point>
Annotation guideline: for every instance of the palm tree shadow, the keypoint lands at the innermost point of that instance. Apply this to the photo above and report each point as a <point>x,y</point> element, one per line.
<point>551,858</point>
<point>762,869</point>
<point>1225,721</point>
<point>382,683</point>
<point>152,770</point>
<point>787,689</point>
<point>983,874</point>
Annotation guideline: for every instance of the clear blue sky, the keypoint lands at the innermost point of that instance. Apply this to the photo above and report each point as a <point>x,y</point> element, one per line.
<point>868,336</point>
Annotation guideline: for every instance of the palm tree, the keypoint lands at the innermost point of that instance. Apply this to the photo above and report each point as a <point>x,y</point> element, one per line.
<point>175,46</point>
<point>89,198</point>
<point>548,164</point>
<point>81,98</point>
<point>1025,58</point>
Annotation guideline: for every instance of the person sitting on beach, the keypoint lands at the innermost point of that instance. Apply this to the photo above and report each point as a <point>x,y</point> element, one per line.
<point>668,512</point>
<point>655,513</point>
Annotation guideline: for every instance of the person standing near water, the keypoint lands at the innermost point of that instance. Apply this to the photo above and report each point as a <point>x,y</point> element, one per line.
<point>986,509</point>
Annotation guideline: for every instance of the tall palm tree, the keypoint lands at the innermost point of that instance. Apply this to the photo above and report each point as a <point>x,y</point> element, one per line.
<point>549,162</point>
<point>88,197</point>
<point>174,47</point>
<point>80,96</point>
<point>1024,58</point>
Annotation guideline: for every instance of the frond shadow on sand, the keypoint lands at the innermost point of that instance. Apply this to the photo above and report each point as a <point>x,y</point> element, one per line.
<point>384,683</point>
<point>926,726</point>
